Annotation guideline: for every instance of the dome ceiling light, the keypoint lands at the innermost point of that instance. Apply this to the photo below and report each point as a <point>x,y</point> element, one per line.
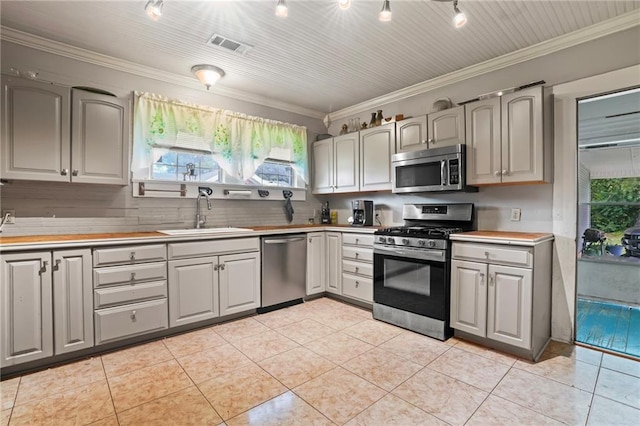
<point>154,9</point>
<point>207,74</point>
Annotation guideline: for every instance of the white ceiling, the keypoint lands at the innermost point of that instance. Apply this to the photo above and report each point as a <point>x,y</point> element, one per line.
<point>320,57</point>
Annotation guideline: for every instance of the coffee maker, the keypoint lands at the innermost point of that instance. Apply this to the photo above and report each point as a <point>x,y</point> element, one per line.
<point>362,212</point>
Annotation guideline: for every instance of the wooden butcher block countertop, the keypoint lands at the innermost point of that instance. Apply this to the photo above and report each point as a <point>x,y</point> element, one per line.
<point>504,237</point>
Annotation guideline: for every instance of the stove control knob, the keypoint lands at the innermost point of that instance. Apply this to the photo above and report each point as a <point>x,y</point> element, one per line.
<point>405,241</point>
<point>431,243</point>
<point>422,242</point>
<point>390,240</point>
<point>382,239</point>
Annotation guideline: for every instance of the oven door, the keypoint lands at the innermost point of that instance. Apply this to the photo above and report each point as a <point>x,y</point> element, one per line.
<point>412,280</point>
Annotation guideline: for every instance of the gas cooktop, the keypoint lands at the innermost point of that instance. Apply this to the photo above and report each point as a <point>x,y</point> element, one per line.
<point>435,232</point>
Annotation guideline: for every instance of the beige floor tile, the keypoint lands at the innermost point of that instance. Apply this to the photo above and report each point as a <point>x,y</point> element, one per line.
<point>5,415</point>
<point>305,331</point>
<point>185,407</point>
<point>579,353</point>
<point>485,352</point>
<point>621,365</point>
<point>212,362</point>
<point>8,392</point>
<point>149,383</point>
<point>51,382</point>
<point>607,412</point>
<point>338,347</point>
<point>471,369</point>
<point>382,368</point>
<point>553,399</point>
<point>240,390</point>
<point>264,345</point>
<point>392,410</point>
<point>373,332</point>
<point>442,396</point>
<point>619,387</point>
<point>338,319</point>
<point>78,406</point>
<point>279,318</point>
<point>497,411</point>
<point>108,421</point>
<point>564,369</point>
<point>283,410</point>
<point>339,394</point>
<point>135,358</point>
<point>192,342</point>
<point>239,329</point>
<point>416,347</point>
<point>296,366</point>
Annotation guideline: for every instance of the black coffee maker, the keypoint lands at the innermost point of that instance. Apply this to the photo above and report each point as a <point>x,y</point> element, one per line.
<point>325,213</point>
<point>362,212</point>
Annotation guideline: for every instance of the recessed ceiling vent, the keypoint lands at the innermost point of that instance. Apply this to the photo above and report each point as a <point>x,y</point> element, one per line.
<point>226,43</point>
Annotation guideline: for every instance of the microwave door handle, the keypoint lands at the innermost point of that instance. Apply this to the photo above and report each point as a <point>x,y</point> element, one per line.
<point>443,172</point>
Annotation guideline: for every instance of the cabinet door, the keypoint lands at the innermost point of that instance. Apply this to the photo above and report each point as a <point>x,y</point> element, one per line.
<point>411,134</point>
<point>323,166</point>
<point>239,282</point>
<point>99,138</point>
<point>483,142</point>
<point>347,164</point>
<point>35,130</point>
<point>193,290</point>
<point>334,262</point>
<point>469,297</point>
<point>27,330</point>
<point>315,263</point>
<point>509,306</point>
<point>446,127</point>
<point>72,300</point>
<point>376,147</point>
<point>522,136</point>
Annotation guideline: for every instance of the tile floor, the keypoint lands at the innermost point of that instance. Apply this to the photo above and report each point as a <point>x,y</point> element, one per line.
<point>325,363</point>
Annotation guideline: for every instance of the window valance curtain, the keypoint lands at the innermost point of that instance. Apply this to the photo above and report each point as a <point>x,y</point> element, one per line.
<point>239,143</point>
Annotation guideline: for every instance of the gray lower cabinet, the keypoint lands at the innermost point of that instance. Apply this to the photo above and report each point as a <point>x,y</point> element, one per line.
<point>130,320</point>
<point>239,282</point>
<point>193,290</point>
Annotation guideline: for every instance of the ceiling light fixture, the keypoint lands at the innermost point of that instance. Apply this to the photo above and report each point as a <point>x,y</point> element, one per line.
<point>281,9</point>
<point>154,9</point>
<point>344,4</point>
<point>460,19</point>
<point>385,13</point>
<point>207,74</point>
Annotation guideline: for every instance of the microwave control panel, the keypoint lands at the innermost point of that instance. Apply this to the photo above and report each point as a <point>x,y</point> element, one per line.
<point>454,171</point>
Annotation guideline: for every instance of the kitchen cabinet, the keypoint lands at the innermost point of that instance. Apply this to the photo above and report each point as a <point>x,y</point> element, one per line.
<point>446,127</point>
<point>334,262</point>
<point>209,279</point>
<point>507,139</point>
<point>53,133</point>
<point>336,164</point>
<point>502,294</point>
<point>376,147</point>
<point>411,134</point>
<point>357,266</point>
<point>316,263</point>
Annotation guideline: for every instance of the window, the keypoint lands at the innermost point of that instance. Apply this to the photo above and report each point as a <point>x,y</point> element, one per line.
<point>184,165</point>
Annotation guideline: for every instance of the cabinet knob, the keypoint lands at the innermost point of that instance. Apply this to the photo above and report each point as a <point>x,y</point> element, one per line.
<point>357,241</point>
<point>357,254</point>
<point>357,269</point>
<point>64,172</point>
<point>133,316</point>
<point>132,256</point>
<point>486,254</point>
<point>497,173</point>
<point>357,284</point>
<point>431,141</point>
<point>222,267</point>
<point>133,276</point>
<point>491,279</point>
<point>481,278</point>
<point>424,141</point>
<point>56,266</point>
<point>310,239</point>
<point>505,172</point>
<point>74,172</point>
<point>216,267</point>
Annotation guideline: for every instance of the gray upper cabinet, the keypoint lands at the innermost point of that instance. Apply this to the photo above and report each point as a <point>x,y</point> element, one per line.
<point>336,164</point>
<point>323,166</point>
<point>50,135</point>
<point>411,134</point>
<point>376,147</point>
<point>484,144</point>
<point>446,127</point>
<point>35,130</point>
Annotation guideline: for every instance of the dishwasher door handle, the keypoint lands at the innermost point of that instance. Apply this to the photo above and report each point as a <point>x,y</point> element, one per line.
<point>284,240</point>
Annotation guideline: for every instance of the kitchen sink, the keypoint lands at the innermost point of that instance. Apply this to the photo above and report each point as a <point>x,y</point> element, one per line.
<point>205,231</point>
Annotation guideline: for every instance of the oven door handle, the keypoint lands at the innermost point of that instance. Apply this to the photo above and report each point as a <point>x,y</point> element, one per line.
<point>433,255</point>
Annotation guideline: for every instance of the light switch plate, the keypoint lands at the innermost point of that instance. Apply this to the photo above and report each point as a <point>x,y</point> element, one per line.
<point>515,215</point>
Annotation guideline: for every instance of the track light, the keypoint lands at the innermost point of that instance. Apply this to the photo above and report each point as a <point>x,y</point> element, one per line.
<point>460,19</point>
<point>207,74</point>
<point>385,13</point>
<point>344,4</point>
<point>281,9</point>
<point>154,9</point>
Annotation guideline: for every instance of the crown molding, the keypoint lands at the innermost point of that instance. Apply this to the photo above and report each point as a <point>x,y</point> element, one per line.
<point>65,50</point>
<point>592,32</point>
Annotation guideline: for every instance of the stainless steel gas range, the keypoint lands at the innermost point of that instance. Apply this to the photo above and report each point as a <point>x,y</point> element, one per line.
<point>411,267</point>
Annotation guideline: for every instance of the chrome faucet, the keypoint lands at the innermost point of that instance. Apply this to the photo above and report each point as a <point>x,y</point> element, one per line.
<point>201,219</point>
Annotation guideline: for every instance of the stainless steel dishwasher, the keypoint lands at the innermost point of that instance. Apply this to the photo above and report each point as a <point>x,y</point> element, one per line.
<point>284,270</point>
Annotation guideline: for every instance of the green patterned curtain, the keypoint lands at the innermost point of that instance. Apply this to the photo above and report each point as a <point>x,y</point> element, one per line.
<point>239,143</point>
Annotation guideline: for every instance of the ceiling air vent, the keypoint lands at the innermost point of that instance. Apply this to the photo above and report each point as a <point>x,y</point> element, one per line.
<point>226,43</point>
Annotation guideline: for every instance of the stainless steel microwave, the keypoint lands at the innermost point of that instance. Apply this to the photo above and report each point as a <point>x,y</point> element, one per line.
<point>430,170</point>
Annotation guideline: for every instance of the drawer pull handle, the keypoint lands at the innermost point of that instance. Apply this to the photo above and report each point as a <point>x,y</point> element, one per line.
<point>133,276</point>
<point>491,279</point>
<point>216,267</point>
<point>481,278</point>
<point>357,269</point>
<point>74,172</point>
<point>132,256</point>
<point>357,284</point>
<point>486,253</point>
<point>357,254</point>
<point>43,268</point>
<point>56,266</point>
<point>133,316</point>
<point>357,241</point>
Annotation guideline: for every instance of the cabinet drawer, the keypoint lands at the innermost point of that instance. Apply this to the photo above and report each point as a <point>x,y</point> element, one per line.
<point>492,253</point>
<point>209,248</point>
<point>129,274</point>
<point>110,296</point>
<point>357,287</point>
<point>359,254</point>
<point>357,239</point>
<point>357,268</point>
<point>130,320</point>
<point>129,254</point>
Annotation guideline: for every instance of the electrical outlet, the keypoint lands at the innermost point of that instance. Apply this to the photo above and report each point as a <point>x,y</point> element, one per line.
<point>12,216</point>
<point>515,215</point>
